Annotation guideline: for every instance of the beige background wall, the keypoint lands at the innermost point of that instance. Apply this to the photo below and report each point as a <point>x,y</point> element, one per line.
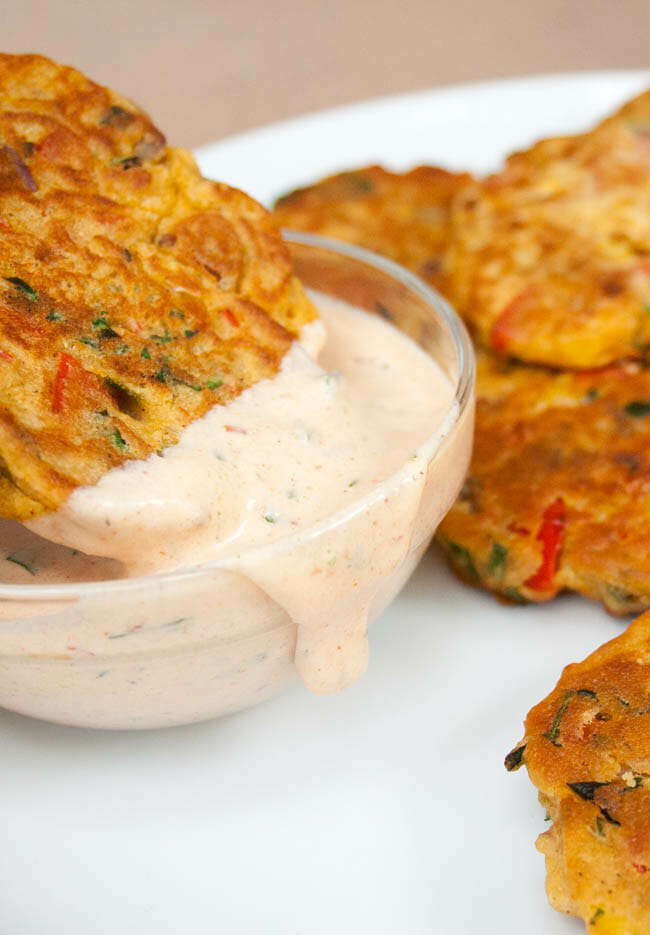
<point>208,69</point>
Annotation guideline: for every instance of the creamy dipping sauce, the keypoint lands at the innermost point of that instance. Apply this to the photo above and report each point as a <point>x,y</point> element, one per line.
<point>284,455</point>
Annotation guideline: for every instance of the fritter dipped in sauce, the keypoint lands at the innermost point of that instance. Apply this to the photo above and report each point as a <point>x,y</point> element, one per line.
<point>134,294</point>
<point>162,410</point>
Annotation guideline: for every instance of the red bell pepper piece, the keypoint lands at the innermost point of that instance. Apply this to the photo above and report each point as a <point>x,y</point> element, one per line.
<point>550,535</point>
<point>67,366</point>
<point>230,315</point>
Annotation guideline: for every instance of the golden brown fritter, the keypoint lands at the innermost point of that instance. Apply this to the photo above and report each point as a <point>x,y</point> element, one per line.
<point>134,294</point>
<point>587,749</point>
<point>549,259</point>
<point>561,468</point>
<point>402,216</point>
<point>558,491</point>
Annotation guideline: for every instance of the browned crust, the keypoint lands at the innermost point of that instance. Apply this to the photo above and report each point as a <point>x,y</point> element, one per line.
<point>403,216</point>
<point>587,749</point>
<point>548,259</point>
<point>134,294</point>
<point>543,436</point>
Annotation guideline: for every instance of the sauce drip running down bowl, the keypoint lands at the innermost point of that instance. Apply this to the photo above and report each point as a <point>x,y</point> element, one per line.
<point>207,640</point>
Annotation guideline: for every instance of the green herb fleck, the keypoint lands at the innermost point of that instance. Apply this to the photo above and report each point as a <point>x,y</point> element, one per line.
<point>547,817</point>
<point>119,441</point>
<point>145,353</point>
<point>102,412</point>
<point>141,629</point>
<point>89,342</point>
<point>114,114</point>
<point>608,817</point>
<point>461,556</point>
<point>359,183</point>
<point>552,734</point>
<point>174,623</point>
<point>270,518</point>
<point>587,693</point>
<point>515,758</point>
<point>127,162</point>
<point>174,313</point>
<point>190,334</point>
<point>331,378</point>
<point>586,790</point>
<point>592,393</point>
<point>23,287</point>
<point>53,316</point>
<point>620,595</point>
<point>125,399</point>
<point>497,561</point>
<point>18,561</point>
<point>331,561</point>
<point>161,376</point>
<point>646,307</point>
<point>638,408</point>
<point>598,914</point>
<point>353,483</point>
<point>191,386</point>
<point>100,322</point>
<point>626,704</point>
<point>515,595</point>
<point>213,384</point>
<point>162,338</point>
<point>600,826</point>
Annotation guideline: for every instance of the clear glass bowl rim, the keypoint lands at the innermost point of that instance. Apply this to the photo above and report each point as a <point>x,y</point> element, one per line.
<point>462,396</point>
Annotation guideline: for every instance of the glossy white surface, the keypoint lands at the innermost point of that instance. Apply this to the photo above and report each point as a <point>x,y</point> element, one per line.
<point>384,809</point>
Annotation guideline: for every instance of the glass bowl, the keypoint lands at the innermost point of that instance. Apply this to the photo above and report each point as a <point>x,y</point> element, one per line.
<point>206,641</point>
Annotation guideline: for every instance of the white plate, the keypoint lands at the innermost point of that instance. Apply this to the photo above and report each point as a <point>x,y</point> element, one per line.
<point>382,810</point>
<point>463,127</point>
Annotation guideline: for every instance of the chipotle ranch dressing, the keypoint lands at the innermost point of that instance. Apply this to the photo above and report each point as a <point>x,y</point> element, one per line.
<point>287,453</point>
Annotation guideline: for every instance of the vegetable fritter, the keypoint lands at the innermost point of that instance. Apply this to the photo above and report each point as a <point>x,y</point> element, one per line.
<point>558,490</point>
<point>560,478</point>
<point>402,216</point>
<point>134,294</point>
<point>549,259</point>
<point>587,750</point>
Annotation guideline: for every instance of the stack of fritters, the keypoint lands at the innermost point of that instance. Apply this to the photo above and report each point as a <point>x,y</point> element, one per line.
<point>587,749</point>
<point>134,294</point>
<point>548,261</point>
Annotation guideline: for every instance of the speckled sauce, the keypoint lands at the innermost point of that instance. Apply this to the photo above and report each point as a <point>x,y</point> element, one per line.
<point>315,493</point>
